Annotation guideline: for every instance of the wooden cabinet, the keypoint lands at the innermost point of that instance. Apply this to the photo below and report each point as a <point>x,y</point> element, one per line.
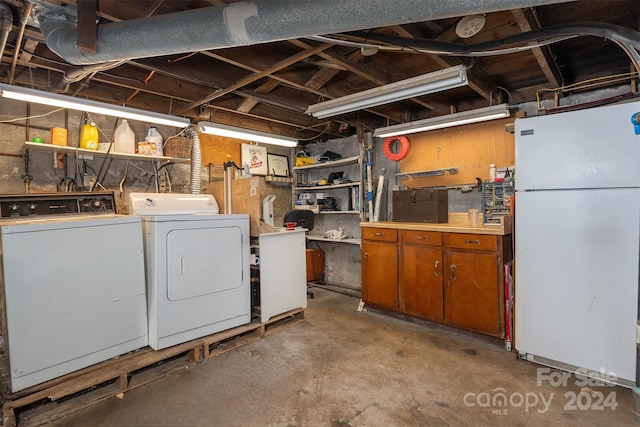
<point>420,284</point>
<point>453,278</point>
<point>315,265</point>
<point>380,267</point>
<point>471,294</point>
<point>473,291</point>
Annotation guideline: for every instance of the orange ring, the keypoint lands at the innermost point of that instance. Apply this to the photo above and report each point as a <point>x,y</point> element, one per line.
<point>404,147</point>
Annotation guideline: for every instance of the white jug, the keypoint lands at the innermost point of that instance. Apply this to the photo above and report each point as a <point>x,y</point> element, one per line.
<point>124,139</point>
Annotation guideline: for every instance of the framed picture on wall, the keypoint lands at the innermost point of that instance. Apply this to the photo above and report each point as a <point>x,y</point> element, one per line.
<point>256,158</point>
<point>278,165</point>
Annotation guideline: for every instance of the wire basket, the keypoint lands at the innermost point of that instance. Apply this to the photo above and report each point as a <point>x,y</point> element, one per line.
<point>178,146</point>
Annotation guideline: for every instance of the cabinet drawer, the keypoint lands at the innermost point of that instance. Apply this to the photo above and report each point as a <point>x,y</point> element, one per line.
<point>431,238</point>
<point>383,234</point>
<point>472,241</point>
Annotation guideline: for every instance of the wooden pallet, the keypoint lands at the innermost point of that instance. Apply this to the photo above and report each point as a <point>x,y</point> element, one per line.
<point>283,321</point>
<point>62,396</point>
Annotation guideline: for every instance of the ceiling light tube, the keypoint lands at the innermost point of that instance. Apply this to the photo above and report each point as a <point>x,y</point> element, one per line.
<point>70,102</point>
<point>246,134</point>
<point>436,81</point>
<point>449,120</point>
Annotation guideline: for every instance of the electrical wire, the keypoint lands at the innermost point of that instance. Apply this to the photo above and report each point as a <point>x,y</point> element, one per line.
<point>441,48</point>
<point>507,92</point>
<point>32,117</point>
<point>124,178</point>
<point>318,135</point>
<point>624,37</point>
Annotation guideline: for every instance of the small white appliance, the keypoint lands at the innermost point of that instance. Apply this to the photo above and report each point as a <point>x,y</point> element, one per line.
<point>267,209</point>
<point>73,284</point>
<point>577,231</point>
<point>197,265</point>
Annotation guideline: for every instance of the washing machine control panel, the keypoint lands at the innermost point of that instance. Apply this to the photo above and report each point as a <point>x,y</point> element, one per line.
<point>51,204</point>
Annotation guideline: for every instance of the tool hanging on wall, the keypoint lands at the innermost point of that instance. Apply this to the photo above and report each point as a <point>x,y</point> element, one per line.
<point>379,195</point>
<point>368,163</point>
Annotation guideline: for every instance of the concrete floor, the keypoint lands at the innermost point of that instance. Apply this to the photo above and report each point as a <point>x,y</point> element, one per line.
<point>347,368</point>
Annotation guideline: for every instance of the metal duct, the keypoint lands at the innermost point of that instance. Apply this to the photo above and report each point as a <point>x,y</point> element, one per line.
<point>247,23</point>
<point>6,21</point>
<point>196,160</point>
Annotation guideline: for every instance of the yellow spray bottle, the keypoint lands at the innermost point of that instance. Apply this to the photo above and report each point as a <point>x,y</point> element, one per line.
<point>89,136</point>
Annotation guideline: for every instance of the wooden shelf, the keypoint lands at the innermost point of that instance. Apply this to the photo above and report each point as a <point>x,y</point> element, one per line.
<point>81,153</point>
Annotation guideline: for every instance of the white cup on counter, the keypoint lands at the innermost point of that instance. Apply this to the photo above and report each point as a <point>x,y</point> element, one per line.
<point>473,217</point>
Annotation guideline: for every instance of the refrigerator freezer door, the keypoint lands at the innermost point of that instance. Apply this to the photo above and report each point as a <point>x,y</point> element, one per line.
<point>576,284</point>
<point>594,148</point>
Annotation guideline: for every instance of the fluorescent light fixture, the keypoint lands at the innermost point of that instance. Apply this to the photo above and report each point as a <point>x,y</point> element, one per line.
<point>448,78</point>
<point>246,134</point>
<point>70,102</point>
<point>449,120</point>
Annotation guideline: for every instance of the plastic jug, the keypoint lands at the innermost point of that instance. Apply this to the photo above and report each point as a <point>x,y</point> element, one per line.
<point>124,139</point>
<point>155,140</point>
<point>89,136</point>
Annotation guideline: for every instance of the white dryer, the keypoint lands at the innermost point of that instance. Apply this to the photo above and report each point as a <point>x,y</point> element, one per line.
<point>197,266</point>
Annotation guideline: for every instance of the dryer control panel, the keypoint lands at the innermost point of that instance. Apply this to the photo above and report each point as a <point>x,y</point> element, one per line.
<point>52,204</point>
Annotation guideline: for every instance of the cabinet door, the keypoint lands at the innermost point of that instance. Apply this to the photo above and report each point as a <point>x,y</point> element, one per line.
<point>380,273</point>
<point>421,281</point>
<point>471,291</point>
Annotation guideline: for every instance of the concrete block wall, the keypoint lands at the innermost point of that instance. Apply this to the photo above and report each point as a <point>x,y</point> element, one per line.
<point>20,122</point>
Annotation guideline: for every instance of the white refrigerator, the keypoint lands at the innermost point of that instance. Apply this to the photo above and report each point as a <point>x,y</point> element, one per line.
<point>577,238</point>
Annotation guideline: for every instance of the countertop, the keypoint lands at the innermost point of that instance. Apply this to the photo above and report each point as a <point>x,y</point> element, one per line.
<point>458,223</point>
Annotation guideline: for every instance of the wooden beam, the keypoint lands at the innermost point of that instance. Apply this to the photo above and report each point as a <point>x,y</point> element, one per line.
<point>283,81</point>
<point>324,75</point>
<point>87,28</point>
<point>348,66</point>
<point>266,87</point>
<point>526,22</point>
<point>257,76</point>
<point>479,79</point>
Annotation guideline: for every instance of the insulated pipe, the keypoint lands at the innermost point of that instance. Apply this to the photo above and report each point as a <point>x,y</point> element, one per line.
<point>6,22</point>
<point>247,23</point>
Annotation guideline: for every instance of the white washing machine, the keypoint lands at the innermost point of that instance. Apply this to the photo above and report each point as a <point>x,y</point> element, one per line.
<point>197,266</point>
<point>73,284</point>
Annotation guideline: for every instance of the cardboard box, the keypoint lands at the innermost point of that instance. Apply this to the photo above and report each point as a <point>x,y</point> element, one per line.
<point>420,205</point>
<point>247,197</point>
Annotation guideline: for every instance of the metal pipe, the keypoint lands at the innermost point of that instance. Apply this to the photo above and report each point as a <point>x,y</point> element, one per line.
<point>23,23</point>
<point>6,22</point>
<point>25,176</point>
<point>228,201</point>
<point>246,23</point>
